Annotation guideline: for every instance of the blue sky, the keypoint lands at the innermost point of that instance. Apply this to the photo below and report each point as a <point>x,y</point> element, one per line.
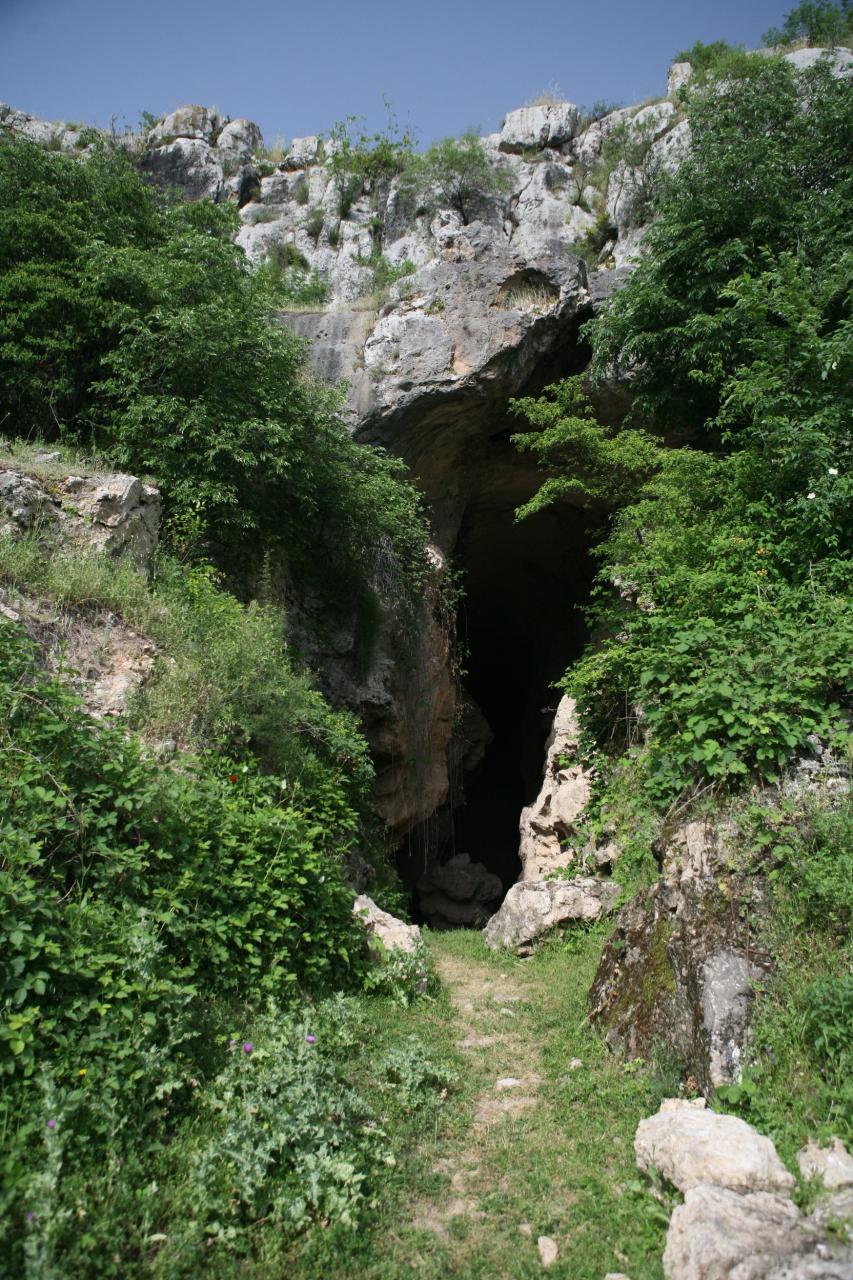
<point>296,68</point>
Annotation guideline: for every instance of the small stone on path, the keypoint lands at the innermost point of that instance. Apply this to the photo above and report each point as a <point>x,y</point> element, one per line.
<point>508,1082</point>
<point>508,1013</point>
<point>525,1228</point>
<point>575,1065</point>
<point>548,1250</point>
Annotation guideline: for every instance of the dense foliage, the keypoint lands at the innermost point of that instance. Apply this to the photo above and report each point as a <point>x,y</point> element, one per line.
<point>728,642</point>
<point>135,325</point>
<point>454,173</point>
<point>818,22</point>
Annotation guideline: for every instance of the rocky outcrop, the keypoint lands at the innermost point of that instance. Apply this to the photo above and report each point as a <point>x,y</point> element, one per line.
<point>106,660</point>
<point>460,892</point>
<point>533,909</point>
<point>114,513</point>
<point>550,823</point>
<point>738,1221</point>
<point>681,967</point>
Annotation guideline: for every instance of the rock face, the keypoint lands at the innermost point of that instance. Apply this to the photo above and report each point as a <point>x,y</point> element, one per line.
<point>680,967</point>
<point>112,513</point>
<point>108,514</point>
<point>460,892</point>
<point>394,934</point>
<point>532,909</point>
<point>689,1144</point>
<point>833,1164</point>
<point>552,819</point>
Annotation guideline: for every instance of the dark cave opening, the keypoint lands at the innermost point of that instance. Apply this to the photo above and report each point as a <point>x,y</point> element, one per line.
<point>520,623</point>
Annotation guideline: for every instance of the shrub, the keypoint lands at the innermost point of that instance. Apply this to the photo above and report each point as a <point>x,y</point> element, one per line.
<point>301,191</point>
<point>314,221</point>
<point>817,22</point>
<point>455,173</point>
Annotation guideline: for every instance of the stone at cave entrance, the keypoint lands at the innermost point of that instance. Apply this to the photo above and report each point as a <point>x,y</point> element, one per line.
<point>533,908</point>
<point>549,823</point>
<point>394,934</point>
<point>461,892</point>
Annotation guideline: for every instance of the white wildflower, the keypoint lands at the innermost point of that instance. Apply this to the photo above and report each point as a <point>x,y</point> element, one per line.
<point>812,494</point>
<point>833,471</point>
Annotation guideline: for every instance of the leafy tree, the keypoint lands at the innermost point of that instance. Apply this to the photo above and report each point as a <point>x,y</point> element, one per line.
<point>706,57</point>
<point>820,22</point>
<point>456,173</point>
<point>729,640</point>
<point>137,324</point>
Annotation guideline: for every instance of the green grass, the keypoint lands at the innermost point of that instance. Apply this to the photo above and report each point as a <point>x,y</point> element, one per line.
<point>565,1167</point>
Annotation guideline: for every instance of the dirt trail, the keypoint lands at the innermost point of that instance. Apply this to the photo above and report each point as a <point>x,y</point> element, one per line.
<point>502,1057</point>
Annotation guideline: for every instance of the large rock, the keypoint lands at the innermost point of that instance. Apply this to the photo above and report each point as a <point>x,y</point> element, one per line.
<point>552,819</point>
<point>533,128</point>
<point>394,934</point>
<point>681,967</point>
<point>690,1145</point>
<point>532,909</point>
<point>113,513</point>
<point>239,138</point>
<point>833,1164</point>
<point>187,122</point>
<point>718,1234</point>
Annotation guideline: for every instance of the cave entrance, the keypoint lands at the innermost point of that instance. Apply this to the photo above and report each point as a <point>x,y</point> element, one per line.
<point>520,624</point>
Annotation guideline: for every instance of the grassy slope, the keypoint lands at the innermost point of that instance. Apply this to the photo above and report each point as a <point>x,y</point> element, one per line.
<point>565,1167</point>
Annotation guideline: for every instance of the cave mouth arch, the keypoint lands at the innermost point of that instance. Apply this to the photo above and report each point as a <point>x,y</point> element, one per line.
<point>520,624</point>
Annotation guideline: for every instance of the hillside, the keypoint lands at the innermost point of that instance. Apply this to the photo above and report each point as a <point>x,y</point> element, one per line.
<point>457,536</point>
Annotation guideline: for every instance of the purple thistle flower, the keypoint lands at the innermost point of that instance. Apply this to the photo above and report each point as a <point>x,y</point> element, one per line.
<point>248,1047</point>
<point>31,1217</point>
<point>310,1039</point>
<point>51,1124</point>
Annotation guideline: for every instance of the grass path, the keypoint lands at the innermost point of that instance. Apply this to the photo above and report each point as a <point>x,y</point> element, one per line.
<point>536,1141</point>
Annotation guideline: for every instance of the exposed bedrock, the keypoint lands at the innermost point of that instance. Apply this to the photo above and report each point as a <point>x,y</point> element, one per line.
<point>431,376</point>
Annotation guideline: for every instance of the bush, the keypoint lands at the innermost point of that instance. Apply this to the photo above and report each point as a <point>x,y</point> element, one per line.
<point>455,173</point>
<point>817,22</point>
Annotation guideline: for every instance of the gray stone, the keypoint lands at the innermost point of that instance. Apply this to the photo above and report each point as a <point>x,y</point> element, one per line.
<point>552,819</point>
<point>532,909</point>
<point>459,892</point>
<point>718,1234</point>
<point>534,128</point>
<point>690,1145</point>
<point>833,1164</point>
<point>187,122</point>
<point>394,934</point>
<point>548,1250</point>
<point>240,138</point>
<point>188,163</point>
<point>679,74</point>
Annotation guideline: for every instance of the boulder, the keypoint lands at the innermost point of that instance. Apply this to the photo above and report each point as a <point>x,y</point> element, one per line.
<point>832,1164</point>
<point>459,892</point>
<point>690,1145</point>
<point>304,152</point>
<point>394,934</point>
<point>552,818</point>
<point>681,967</point>
<point>120,514</point>
<point>534,128</point>
<point>112,513</point>
<point>679,74</point>
<point>239,138</point>
<point>187,122</point>
<point>718,1234</point>
<point>532,909</point>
